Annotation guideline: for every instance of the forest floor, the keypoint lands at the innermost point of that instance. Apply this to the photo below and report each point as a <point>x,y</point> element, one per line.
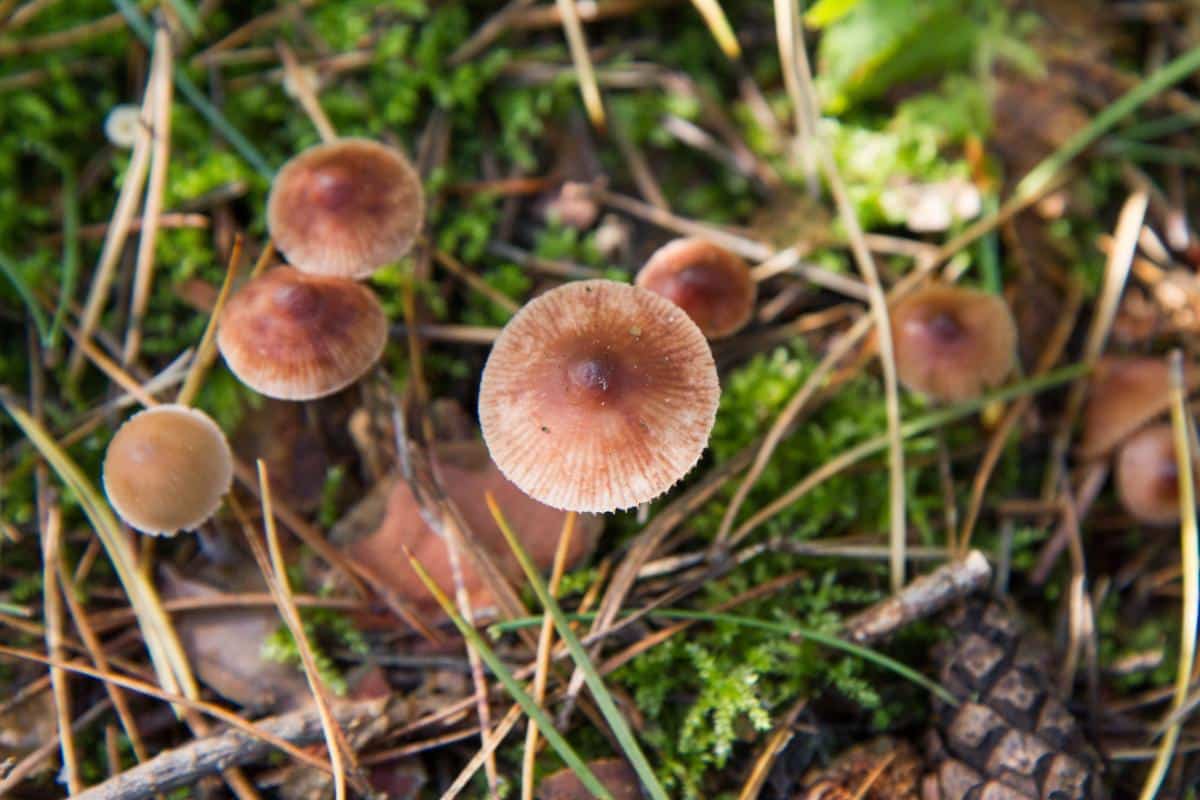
<point>740,631</point>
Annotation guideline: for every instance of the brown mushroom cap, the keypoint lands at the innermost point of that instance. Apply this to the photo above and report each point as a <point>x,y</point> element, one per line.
<point>1125,393</point>
<point>467,473</point>
<point>1148,475</point>
<point>345,208</point>
<point>953,343</point>
<point>598,396</point>
<point>294,336</point>
<point>167,469</point>
<point>613,773</point>
<point>707,281</point>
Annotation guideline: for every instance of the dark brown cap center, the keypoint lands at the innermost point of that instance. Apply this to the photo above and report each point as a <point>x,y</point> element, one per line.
<point>298,299</point>
<point>333,188</point>
<point>945,327</point>
<point>592,379</point>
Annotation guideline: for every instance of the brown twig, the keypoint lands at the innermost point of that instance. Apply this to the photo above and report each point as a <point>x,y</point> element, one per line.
<point>184,765</point>
<point>920,598</point>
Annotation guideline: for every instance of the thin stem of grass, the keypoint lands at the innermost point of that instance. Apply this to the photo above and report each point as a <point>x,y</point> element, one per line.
<point>545,641</point>
<point>1182,428</point>
<point>577,44</point>
<point>897,498</point>
<point>206,350</point>
<point>70,235</point>
<point>604,701</point>
<point>160,157</point>
<point>8,269</point>
<point>53,612</point>
<point>510,683</point>
<point>274,571</point>
<point>718,25</point>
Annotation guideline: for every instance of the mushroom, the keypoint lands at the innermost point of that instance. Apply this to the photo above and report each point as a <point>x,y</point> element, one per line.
<point>1124,394</point>
<point>613,773</point>
<point>953,343</point>
<point>122,124</point>
<point>1148,475</point>
<point>345,208</point>
<point>167,468</point>
<point>294,336</point>
<point>598,396</point>
<point>707,281</point>
<point>467,473</point>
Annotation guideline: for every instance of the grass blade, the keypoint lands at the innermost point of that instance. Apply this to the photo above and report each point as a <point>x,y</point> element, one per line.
<point>9,270</point>
<point>1190,560</point>
<point>70,232</point>
<point>595,683</point>
<point>718,25</point>
<point>824,639</point>
<point>505,676</point>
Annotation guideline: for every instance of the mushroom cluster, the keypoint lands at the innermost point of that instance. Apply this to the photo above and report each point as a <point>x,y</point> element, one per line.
<point>1127,398</point>
<point>338,212</point>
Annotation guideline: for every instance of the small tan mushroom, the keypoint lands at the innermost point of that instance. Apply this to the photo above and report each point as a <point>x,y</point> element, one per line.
<point>1124,394</point>
<point>613,773</point>
<point>345,208</point>
<point>953,343</point>
<point>707,281</point>
<point>1147,475</point>
<point>294,336</point>
<point>598,396</point>
<point>467,473</point>
<point>167,469</point>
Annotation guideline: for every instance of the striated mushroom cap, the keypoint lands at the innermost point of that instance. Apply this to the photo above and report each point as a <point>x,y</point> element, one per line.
<point>598,396</point>
<point>167,469</point>
<point>953,343</point>
<point>1124,394</point>
<point>1147,475</point>
<point>613,773</point>
<point>345,208</point>
<point>707,281</point>
<point>467,473</point>
<point>294,336</point>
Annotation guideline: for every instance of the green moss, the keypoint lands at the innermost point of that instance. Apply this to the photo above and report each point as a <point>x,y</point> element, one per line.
<point>327,631</point>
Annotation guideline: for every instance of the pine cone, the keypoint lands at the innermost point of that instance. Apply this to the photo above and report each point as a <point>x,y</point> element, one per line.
<point>1011,737</point>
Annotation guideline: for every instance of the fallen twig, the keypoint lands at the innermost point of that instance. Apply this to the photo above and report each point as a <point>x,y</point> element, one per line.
<point>920,598</point>
<point>188,763</point>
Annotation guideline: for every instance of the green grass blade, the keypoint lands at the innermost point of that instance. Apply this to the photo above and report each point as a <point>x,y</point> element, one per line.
<point>70,227</point>
<point>166,654</point>
<point>509,681</point>
<point>833,642</point>
<point>824,639</point>
<point>8,268</point>
<point>1171,73</point>
<point>1181,425</point>
<point>141,26</point>
<point>608,708</point>
<point>187,15</point>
